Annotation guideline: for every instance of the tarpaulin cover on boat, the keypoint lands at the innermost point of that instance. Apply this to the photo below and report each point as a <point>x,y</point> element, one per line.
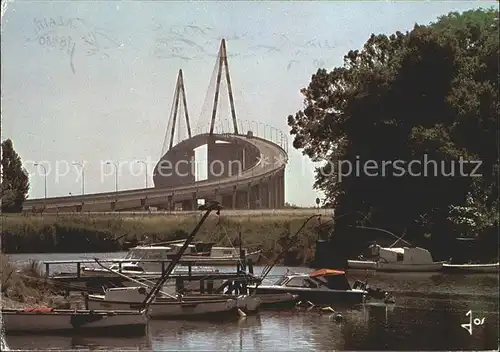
<point>326,272</point>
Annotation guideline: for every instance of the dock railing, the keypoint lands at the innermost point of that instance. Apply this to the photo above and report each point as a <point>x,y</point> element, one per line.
<point>188,263</point>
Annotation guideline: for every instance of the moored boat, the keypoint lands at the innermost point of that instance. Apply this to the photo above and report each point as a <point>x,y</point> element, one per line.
<point>398,259</point>
<point>151,260</point>
<point>324,286</point>
<point>471,268</point>
<point>164,307</point>
<point>276,300</point>
<point>67,321</point>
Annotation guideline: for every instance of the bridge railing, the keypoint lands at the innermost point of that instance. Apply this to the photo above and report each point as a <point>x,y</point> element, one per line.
<point>258,128</point>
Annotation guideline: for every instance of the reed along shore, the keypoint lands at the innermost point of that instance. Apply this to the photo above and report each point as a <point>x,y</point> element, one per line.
<point>91,233</point>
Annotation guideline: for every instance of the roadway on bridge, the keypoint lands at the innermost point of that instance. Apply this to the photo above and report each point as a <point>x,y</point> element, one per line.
<point>273,158</point>
<point>225,212</point>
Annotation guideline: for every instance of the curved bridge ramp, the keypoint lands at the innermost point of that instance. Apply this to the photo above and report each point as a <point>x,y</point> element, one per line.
<point>259,185</point>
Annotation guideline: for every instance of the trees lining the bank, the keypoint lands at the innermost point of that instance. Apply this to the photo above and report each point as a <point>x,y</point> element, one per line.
<point>431,92</point>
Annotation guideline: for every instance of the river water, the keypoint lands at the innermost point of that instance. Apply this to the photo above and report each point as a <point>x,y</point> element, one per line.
<point>427,315</point>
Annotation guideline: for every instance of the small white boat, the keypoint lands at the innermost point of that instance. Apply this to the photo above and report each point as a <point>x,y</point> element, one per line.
<point>402,259</point>
<point>151,260</point>
<point>270,300</point>
<point>471,268</point>
<point>165,307</point>
<point>60,321</point>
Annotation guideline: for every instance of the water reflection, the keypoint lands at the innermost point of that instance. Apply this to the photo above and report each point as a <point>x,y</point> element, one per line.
<point>44,343</point>
<point>425,324</point>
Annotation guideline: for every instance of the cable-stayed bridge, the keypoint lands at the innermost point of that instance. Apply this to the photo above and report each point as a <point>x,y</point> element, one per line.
<point>245,161</point>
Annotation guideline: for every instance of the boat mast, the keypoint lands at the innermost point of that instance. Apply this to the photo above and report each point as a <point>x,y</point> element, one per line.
<point>398,238</point>
<point>292,241</point>
<point>164,277</point>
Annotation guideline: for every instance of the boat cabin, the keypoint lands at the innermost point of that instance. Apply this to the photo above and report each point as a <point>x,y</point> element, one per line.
<point>224,252</point>
<point>403,255</point>
<point>141,253</point>
<point>156,252</point>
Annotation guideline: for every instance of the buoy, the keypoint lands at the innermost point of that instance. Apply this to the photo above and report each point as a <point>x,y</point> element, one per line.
<point>339,318</point>
<point>241,313</point>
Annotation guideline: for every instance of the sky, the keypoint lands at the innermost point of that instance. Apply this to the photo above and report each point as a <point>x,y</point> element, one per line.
<point>93,82</point>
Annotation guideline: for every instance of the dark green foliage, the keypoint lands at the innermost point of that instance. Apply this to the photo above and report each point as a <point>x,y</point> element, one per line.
<point>15,182</point>
<point>431,92</point>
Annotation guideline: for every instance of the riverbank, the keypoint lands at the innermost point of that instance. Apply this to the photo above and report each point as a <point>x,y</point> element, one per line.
<point>26,287</point>
<point>80,233</point>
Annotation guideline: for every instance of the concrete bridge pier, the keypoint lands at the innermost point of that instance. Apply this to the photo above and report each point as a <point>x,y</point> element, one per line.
<point>234,198</point>
<point>144,203</point>
<point>269,204</point>
<point>249,195</point>
<point>227,201</point>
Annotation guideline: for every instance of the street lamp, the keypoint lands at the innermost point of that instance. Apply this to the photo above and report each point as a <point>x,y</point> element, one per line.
<point>83,177</point>
<point>146,166</point>
<point>116,178</point>
<point>45,176</point>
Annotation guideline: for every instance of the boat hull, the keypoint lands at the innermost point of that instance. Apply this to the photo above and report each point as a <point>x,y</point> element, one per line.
<point>361,264</point>
<point>221,261</point>
<point>277,300</point>
<point>213,308</point>
<point>62,321</point>
<point>317,297</point>
<point>471,268</point>
<point>394,267</point>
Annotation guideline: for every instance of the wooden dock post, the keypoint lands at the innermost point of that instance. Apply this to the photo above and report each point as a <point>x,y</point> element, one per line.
<point>202,286</point>
<point>78,270</point>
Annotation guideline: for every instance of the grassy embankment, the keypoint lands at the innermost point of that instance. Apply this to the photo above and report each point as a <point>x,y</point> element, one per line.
<point>26,287</point>
<point>106,233</point>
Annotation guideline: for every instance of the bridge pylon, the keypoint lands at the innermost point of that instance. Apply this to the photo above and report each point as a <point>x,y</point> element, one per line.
<point>222,64</point>
<point>174,120</point>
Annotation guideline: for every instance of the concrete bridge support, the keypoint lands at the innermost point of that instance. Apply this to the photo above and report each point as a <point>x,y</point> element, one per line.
<point>224,160</point>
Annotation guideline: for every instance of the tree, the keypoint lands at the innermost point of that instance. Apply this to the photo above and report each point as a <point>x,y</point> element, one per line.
<point>428,94</point>
<point>15,181</point>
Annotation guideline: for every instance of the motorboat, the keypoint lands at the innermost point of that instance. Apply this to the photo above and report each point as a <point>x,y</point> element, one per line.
<point>471,268</point>
<point>324,286</point>
<point>152,259</point>
<point>276,300</point>
<point>397,259</point>
<point>85,322</point>
<point>166,306</point>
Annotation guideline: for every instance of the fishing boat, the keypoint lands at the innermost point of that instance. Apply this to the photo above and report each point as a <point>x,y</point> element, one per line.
<point>151,260</point>
<point>324,286</point>
<point>163,306</point>
<point>397,259</point>
<point>61,321</point>
<point>471,268</point>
